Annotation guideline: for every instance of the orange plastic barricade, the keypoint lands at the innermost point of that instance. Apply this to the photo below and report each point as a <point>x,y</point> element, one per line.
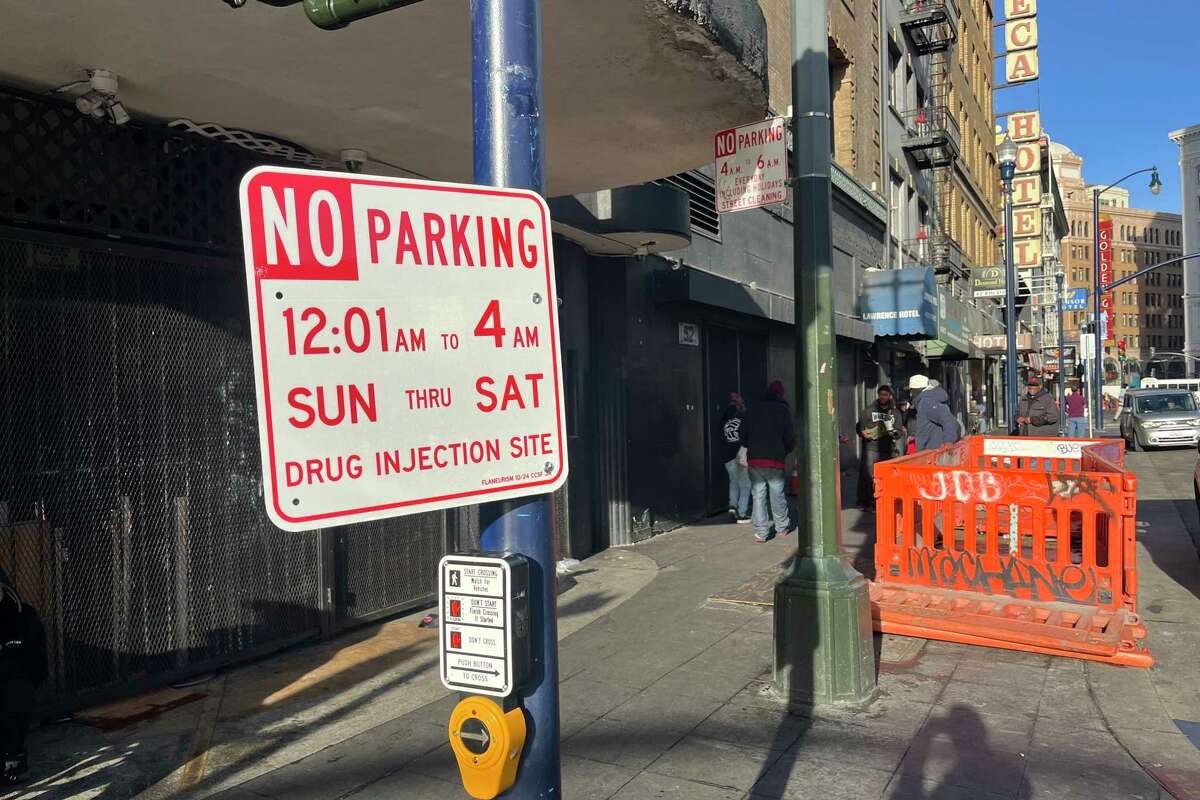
<point>1019,543</point>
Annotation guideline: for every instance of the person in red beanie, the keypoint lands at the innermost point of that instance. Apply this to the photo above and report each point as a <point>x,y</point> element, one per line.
<point>768,435</point>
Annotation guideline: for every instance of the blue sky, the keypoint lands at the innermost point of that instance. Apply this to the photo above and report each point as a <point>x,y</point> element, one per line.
<point>1116,77</point>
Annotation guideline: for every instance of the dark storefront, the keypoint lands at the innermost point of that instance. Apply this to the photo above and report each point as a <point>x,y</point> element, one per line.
<point>661,340</point>
<point>131,513</point>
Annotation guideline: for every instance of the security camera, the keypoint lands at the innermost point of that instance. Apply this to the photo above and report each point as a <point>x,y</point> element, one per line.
<point>99,99</point>
<point>90,103</point>
<point>354,159</point>
<point>118,113</point>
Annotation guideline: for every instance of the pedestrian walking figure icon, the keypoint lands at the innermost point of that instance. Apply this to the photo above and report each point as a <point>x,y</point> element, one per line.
<point>455,578</point>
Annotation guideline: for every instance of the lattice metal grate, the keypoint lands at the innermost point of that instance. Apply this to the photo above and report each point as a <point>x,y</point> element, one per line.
<point>137,181</point>
<point>388,565</point>
<point>131,513</point>
<point>129,481</point>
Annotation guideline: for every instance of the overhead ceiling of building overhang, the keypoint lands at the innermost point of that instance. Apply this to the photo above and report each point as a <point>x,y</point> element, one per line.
<point>632,89</point>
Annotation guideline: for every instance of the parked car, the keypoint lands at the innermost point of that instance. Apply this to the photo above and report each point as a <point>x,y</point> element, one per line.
<point>1159,418</point>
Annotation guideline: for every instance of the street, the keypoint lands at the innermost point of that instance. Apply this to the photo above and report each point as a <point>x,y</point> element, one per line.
<point>412,399</point>
<point>666,670</point>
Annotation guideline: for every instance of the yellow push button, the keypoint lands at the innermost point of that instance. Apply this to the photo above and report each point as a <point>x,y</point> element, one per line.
<point>487,743</point>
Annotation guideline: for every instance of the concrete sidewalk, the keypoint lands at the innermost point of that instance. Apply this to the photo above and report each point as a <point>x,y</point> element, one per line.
<point>666,693</point>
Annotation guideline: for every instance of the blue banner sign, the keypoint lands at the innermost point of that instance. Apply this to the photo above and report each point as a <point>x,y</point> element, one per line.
<point>1075,300</point>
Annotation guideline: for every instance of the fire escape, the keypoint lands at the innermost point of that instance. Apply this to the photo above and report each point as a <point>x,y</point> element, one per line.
<point>931,134</point>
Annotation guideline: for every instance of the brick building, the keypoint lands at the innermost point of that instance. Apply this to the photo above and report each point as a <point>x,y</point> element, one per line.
<point>1148,312</point>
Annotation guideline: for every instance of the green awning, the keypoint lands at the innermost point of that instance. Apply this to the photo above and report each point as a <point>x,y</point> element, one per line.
<point>954,329</point>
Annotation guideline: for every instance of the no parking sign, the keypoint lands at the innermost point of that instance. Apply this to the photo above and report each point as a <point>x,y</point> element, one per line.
<point>405,339</point>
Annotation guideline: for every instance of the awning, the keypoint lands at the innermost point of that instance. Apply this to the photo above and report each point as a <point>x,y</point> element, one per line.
<point>901,302</point>
<point>954,330</point>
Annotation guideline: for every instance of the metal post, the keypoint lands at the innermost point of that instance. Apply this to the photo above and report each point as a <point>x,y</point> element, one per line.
<point>1083,383</point>
<point>506,85</point>
<point>1062,361</point>
<point>823,642</point>
<point>1011,373</point>
<point>1098,326</point>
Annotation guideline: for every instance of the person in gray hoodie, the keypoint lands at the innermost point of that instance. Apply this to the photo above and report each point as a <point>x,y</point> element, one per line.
<point>936,426</point>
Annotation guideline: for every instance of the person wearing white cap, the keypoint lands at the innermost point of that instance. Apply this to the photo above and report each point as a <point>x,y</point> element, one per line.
<point>935,425</point>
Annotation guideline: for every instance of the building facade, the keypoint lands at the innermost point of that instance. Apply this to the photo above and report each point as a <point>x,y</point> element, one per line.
<point>131,489</point>
<point>131,513</point>
<point>973,195</point>
<point>1188,140</point>
<point>940,180</point>
<point>1148,312</point>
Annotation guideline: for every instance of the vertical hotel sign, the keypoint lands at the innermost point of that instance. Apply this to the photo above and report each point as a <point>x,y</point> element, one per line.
<point>1020,41</point>
<point>1106,276</point>
<point>1025,129</point>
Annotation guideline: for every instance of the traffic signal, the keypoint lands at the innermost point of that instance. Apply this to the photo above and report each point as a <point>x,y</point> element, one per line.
<point>1121,349</point>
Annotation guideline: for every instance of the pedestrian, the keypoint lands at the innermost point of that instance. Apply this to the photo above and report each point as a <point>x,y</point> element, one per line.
<point>916,385</point>
<point>880,427</point>
<point>22,669</point>
<point>981,422</point>
<point>935,424</point>
<point>768,434</point>
<point>1037,413</point>
<point>733,455</point>
<point>1076,414</point>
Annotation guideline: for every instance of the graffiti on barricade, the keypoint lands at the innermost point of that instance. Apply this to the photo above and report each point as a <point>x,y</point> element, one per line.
<point>983,486</point>
<point>1070,583</point>
<point>965,486</point>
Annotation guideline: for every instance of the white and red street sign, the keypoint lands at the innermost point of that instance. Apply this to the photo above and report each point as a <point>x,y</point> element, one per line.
<point>751,165</point>
<point>1107,303</point>
<point>405,340</point>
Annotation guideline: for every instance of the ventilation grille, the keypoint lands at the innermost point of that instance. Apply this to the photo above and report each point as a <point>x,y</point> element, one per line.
<point>702,202</point>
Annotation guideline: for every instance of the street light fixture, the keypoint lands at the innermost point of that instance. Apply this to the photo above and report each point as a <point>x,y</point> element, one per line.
<point>1008,165</point>
<point>1155,183</point>
<point>1098,284</point>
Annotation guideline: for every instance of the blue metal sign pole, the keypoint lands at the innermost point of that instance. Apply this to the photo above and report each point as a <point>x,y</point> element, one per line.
<point>506,85</point>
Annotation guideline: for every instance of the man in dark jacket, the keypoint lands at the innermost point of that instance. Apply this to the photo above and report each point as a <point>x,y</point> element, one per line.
<point>22,669</point>
<point>1037,413</point>
<point>880,428</point>
<point>729,443</point>
<point>936,426</point>
<point>768,435</point>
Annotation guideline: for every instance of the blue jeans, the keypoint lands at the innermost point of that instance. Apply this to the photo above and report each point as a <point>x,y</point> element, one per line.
<point>1077,427</point>
<point>768,483</point>
<point>739,487</point>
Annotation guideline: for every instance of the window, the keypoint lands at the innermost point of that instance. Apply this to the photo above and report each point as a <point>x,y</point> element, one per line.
<point>898,91</point>
<point>898,210</point>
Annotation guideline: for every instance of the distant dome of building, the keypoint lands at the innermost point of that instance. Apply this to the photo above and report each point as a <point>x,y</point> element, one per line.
<point>1058,149</point>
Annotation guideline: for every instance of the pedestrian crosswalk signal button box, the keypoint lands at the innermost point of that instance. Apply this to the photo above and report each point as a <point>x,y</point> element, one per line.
<point>484,602</point>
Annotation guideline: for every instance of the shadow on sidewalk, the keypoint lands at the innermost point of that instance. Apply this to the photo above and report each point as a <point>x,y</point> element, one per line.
<point>71,763</point>
<point>951,758</point>
<point>1172,550</point>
